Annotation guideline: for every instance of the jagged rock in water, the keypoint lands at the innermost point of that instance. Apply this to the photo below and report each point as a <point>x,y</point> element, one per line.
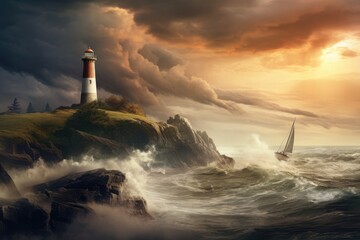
<point>71,192</point>
<point>100,185</point>
<point>21,216</point>
<point>65,199</point>
<point>64,213</point>
<point>186,133</point>
<point>135,206</point>
<point>188,147</point>
<point>7,185</point>
<point>226,162</point>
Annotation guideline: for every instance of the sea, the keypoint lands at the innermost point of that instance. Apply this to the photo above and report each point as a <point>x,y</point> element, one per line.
<point>313,195</point>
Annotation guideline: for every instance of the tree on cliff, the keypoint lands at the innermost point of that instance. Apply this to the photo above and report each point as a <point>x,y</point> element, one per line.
<point>47,108</point>
<point>30,108</point>
<point>14,107</point>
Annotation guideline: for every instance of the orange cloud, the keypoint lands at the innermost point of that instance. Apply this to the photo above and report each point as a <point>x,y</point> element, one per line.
<point>250,26</point>
<point>348,53</point>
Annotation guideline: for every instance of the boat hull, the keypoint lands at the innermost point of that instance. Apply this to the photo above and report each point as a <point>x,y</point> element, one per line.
<point>281,156</point>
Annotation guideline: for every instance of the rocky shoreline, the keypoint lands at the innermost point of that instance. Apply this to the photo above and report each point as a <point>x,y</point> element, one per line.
<point>48,209</point>
<point>52,206</point>
<point>176,143</point>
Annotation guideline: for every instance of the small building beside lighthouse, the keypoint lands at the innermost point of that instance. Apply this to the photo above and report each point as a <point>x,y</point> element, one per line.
<point>88,91</point>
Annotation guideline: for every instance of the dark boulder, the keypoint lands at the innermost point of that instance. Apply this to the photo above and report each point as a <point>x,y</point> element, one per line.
<point>100,185</point>
<point>70,194</point>
<point>21,216</point>
<point>136,206</point>
<point>62,214</point>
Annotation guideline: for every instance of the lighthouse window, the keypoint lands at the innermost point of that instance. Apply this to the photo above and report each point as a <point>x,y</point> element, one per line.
<point>90,81</point>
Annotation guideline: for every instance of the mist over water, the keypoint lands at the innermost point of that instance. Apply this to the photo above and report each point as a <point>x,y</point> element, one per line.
<point>314,195</point>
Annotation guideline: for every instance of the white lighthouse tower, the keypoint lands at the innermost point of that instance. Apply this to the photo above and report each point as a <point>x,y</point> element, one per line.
<point>88,91</point>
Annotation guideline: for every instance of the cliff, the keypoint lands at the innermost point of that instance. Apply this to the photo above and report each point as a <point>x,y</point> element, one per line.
<point>25,138</point>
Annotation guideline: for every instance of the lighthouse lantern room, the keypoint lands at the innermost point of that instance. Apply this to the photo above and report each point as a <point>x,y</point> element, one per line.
<point>88,91</point>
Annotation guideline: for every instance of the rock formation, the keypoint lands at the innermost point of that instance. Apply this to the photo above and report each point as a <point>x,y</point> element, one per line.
<point>187,146</point>
<point>176,142</point>
<point>21,216</point>
<point>56,204</point>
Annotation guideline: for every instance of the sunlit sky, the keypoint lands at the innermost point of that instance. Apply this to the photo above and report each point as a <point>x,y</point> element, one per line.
<point>235,69</point>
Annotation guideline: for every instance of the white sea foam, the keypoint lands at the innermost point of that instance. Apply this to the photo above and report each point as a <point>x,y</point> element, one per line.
<point>318,196</point>
<point>257,153</point>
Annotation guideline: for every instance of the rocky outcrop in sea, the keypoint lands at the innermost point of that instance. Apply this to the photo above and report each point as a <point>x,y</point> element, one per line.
<point>51,207</point>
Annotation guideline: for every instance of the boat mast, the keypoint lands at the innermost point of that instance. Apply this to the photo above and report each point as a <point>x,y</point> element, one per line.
<point>292,129</point>
<point>290,141</point>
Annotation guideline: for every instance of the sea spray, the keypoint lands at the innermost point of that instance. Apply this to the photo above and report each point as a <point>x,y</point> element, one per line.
<point>257,153</point>
<point>133,167</point>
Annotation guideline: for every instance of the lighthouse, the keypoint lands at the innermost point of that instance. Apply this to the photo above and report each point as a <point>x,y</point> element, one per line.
<point>88,91</point>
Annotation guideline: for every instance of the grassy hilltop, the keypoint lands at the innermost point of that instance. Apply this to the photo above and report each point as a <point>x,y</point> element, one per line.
<point>26,137</point>
<point>41,126</point>
<point>32,126</point>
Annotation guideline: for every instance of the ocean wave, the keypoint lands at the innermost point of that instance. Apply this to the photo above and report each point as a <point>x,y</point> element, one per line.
<point>316,191</point>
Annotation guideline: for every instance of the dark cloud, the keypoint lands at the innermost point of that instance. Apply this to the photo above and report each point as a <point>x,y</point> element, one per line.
<point>45,40</point>
<point>161,57</point>
<point>246,25</point>
<point>181,20</point>
<point>27,89</point>
<point>174,82</point>
<point>259,101</point>
<point>304,29</point>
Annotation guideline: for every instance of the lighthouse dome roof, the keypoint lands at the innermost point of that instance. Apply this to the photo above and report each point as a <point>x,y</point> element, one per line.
<point>89,50</point>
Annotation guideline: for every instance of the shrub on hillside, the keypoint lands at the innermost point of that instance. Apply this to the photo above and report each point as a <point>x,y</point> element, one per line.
<point>120,104</point>
<point>89,117</point>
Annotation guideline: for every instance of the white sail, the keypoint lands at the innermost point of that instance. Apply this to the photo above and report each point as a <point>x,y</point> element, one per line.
<point>290,142</point>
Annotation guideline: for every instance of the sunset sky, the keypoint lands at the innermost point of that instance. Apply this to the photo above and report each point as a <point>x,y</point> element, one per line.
<point>234,68</point>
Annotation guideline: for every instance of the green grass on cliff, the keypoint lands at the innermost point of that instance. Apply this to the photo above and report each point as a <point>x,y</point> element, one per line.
<point>122,116</point>
<point>32,125</point>
<point>41,126</point>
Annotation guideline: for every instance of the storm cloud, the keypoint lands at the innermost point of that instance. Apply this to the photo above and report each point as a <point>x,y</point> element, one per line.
<point>46,42</point>
<point>246,25</point>
<point>42,42</point>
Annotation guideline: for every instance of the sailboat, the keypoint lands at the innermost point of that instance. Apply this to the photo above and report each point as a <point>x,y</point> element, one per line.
<point>284,154</point>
